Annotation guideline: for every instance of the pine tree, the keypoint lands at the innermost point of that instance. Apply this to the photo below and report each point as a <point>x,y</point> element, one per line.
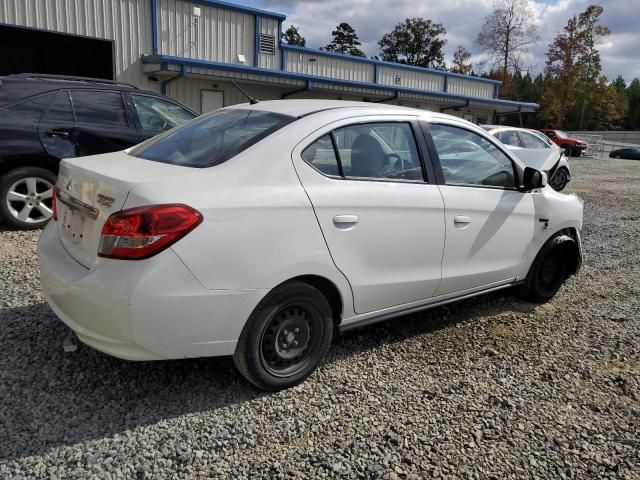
<point>292,37</point>
<point>345,40</point>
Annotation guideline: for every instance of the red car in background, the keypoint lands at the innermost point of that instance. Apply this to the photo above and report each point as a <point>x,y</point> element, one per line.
<point>572,146</point>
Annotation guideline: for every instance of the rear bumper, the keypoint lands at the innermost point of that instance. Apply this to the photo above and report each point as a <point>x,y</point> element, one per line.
<point>142,310</point>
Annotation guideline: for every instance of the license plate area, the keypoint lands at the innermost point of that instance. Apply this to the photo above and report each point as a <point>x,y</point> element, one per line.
<point>72,223</point>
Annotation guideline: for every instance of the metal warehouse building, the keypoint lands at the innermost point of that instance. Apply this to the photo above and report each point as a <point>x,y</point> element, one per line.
<point>190,49</point>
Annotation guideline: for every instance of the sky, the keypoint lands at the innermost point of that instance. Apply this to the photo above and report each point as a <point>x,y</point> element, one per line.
<point>620,52</point>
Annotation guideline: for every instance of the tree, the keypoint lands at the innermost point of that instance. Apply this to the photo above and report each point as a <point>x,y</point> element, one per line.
<point>345,40</point>
<point>633,97</point>
<point>415,41</point>
<point>589,61</point>
<point>562,68</point>
<point>461,62</point>
<point>292,37</point>
<point>507,32</point>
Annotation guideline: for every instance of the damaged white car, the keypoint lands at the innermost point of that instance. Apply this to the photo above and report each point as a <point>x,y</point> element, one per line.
<point>536,151</point>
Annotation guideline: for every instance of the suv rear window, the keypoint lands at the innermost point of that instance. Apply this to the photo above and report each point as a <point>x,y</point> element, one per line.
<point>212,139</point>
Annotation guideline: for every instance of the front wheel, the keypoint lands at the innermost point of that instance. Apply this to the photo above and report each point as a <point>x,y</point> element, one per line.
<point>549,270</point>
<point>559,180</point>
<point>285,338</point>
<point>26,196</point>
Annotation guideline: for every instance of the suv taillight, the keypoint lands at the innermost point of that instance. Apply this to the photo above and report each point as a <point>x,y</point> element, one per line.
<point>142,232</point>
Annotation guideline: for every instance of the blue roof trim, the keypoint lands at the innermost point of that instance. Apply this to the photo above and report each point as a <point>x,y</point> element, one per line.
<point>300,76</point>
<point>240,8</point>
<point>371,61</point>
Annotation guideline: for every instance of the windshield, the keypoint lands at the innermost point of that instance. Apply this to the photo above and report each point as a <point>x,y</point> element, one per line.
<point>561,134</point>
<point>212,139</point>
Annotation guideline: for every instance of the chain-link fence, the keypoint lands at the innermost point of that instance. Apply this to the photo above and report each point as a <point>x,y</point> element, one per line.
<point>601,143</point>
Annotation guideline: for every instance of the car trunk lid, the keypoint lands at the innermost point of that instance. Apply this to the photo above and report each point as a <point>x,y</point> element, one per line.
<point>90,189</point>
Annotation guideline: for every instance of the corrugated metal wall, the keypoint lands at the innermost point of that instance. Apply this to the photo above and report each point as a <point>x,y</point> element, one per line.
<point>269,26</point>
<point>324,66</point>
<point>189,91</point>
<point>127,22</point>
<point>220,36</point>
<point>410,78</point>
<point>472,88</point>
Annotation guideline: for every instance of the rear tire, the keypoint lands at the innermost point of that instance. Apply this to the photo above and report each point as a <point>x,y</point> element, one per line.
<point>26,196</point>
<point>549,270</point>
<point>285,338</point>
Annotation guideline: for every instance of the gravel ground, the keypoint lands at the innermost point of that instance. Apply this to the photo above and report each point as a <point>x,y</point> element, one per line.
<point>489,388</point>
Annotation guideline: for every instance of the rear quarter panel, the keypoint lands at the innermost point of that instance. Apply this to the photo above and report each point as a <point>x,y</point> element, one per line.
<point>259,228</point>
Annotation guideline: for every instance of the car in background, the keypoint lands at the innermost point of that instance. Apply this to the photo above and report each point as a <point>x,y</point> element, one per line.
<point>626,153</point>
<point>572,146</point>
<point>261,229</point>
<point>44,118</point>
<point>536,151</point>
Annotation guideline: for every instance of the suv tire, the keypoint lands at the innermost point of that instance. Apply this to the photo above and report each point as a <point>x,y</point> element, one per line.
<point>26,196</point>
<point>285,338</point>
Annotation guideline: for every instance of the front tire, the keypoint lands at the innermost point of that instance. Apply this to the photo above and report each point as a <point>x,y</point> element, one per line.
<point>549,270</point>
<point>285,338</point>
<point>26,196</point>
<point>559,180</point>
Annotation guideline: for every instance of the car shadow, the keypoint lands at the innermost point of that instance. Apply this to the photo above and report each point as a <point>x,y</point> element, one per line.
<point>52,398</point>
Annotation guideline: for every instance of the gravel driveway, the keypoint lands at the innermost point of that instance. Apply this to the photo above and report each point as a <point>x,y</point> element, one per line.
<point>489,388</point>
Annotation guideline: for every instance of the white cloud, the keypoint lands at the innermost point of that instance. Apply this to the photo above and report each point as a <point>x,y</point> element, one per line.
<point>463,19</point>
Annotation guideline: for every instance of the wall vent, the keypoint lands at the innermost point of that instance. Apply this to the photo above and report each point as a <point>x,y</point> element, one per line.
<point>267,44</point>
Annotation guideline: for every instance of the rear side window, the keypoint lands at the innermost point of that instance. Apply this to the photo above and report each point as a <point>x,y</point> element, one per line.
<point>321,155</point>
<point>60,109</point>
<point>99,107</point>
<point>33,108</point>
<point>211,139</point>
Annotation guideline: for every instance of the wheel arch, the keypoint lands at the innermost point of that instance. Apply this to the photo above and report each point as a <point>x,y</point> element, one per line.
<point>40,161</point>
<point>328,288</point>
<point>568,238</point>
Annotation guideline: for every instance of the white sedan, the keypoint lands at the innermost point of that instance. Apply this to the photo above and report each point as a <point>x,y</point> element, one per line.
<point>259,230</point>
<point>537,151</point>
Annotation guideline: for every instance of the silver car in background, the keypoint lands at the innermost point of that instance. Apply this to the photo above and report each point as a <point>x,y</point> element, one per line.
<point>536,151</point>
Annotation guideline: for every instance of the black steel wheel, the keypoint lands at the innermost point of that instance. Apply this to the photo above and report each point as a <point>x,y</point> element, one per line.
<point>290,338</point>
<point>286,337</point>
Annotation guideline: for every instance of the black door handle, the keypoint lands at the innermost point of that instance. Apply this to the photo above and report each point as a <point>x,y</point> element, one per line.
<point>56,132</point>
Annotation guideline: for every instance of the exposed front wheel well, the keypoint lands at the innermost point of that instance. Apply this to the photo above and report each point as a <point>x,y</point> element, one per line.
<point>328,289</point>
<point>575,258</point>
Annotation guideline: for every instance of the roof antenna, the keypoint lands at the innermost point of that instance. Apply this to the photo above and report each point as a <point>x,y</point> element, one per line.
<point>252,100</point>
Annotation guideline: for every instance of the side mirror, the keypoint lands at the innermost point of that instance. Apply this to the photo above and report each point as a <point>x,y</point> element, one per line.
<point>533,179</point>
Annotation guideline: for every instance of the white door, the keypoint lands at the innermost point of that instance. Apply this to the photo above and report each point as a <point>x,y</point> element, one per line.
<point>383,224</point>
<point>211,100</point>
<point>489,224</point>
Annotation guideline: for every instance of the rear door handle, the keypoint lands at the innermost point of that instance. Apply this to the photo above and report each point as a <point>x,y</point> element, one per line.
<point>461,220</point>
<point>59,133</point>
<point>345,221</point>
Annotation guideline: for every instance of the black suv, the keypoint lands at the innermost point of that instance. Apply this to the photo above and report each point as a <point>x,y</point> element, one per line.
<point>44,118</point>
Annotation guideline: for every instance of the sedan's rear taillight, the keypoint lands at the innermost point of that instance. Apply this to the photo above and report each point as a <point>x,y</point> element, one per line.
<point>142,232</point>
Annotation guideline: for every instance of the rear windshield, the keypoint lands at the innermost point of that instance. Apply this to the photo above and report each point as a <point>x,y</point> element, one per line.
<point>212,139</point>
